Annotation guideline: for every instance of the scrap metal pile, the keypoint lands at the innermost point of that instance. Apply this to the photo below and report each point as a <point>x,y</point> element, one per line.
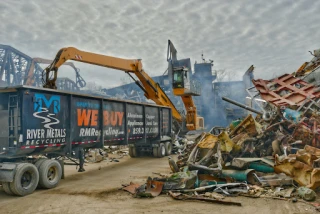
<point>274,154</point>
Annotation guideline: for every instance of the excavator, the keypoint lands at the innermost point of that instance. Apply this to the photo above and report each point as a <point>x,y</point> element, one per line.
<point>29,79</point>
<point>152,90</point>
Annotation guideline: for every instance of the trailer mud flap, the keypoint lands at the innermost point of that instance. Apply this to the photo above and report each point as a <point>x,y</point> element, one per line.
<point>7,171</point>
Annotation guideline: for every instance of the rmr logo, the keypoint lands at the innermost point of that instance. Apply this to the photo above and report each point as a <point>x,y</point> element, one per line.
<point>42,102</point>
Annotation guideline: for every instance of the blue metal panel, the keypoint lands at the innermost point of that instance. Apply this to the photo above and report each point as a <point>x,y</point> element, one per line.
<point>55,122</point>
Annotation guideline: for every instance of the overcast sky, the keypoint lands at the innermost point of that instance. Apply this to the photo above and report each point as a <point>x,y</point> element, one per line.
<point>275,35</point>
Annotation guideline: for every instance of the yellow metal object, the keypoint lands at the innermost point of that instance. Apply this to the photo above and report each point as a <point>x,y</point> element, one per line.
<point>239,139</point>
<point>178,91</point>
<point>225,142</point>
<point>152,89</point>
<point>300,72</point>
<point>300,167</point>
<point>209,141</point>
<point>312,150</point>
<point>249,126</point>
<point>310,66</point>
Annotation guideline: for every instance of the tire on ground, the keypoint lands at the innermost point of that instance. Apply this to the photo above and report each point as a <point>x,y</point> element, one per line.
<point>133,152</point>
<point>6,188</point>
<point>38,164</point>
<point>173,166</point>
<point>25,180</point>
<point>161,150</point>
<point>168,147</point>
<point>50,173</point>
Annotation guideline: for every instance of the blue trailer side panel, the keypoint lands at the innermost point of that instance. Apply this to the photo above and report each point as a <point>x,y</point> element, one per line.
<point>44,120</point>
<point>114,123</point>
<point>41,121</point>
<point>152,122</point>
<point>86,124</point>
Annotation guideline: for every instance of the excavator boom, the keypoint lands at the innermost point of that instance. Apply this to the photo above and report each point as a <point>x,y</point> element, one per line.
<point>152,89</point>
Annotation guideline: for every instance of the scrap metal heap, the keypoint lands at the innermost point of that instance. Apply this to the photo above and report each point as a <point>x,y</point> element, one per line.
<point>274,154</point>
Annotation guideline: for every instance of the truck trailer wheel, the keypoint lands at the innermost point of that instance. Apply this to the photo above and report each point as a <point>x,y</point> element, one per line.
<point>155,152</point>
<point>39,162</point>
<point>6,188</point>
<point>25,180</point>
<point>168,147</point>
<point>50,173</point>
<point>161,150</point>
<point>133,152</point>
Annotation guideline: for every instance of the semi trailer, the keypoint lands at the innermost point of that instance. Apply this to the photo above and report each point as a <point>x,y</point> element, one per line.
<point>52,124</point>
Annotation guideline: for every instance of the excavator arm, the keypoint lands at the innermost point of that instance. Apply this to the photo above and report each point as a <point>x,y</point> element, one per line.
<point>152,89</point>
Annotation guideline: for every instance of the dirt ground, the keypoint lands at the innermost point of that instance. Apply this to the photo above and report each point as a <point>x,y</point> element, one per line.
<point>97,191</point>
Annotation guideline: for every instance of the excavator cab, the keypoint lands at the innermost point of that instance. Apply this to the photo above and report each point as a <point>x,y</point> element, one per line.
<point>181,83</point>
<point>180,77</point>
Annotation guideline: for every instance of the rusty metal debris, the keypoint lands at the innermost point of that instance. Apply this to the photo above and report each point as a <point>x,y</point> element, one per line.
<point>274,180</point>
<point>180,196</point>
<point>287,90</point>
<point>154,188</point>
<point>131,188</point>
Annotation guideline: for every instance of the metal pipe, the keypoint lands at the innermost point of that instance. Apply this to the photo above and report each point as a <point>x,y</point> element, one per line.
<point>241,105</point>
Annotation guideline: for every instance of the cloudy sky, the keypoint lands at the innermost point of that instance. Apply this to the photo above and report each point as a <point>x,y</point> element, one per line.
<point>273,35</point>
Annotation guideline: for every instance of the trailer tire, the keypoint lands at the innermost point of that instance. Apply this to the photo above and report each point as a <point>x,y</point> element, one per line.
<point>6,188</point>
<point>25,180</point>
<point>168,147</point>
<point>161,150</point>
<point>39,162</point>
<point>133,152</point>
<point>50,173</point>
<point>155,151</point>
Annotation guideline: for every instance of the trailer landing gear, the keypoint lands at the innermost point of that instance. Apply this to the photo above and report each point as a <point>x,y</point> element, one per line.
<point>81,160</point>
